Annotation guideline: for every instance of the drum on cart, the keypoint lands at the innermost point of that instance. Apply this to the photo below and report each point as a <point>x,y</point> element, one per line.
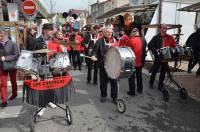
<point>188,51</point>
<point>166,53</point>
<point>119,62</point>
<point>27,62</point>
<point>60,62</point>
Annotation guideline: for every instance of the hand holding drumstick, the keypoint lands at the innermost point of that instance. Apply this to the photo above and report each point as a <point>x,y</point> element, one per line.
<point>93,58</point>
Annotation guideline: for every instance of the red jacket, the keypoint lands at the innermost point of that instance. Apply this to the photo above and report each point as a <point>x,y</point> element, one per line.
<point>168,40</point>
<point>135,43</point>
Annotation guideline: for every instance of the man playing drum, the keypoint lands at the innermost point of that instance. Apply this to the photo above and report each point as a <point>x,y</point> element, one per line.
<point>99,52</point>
<point>157,42</point>
<point>42,43</point>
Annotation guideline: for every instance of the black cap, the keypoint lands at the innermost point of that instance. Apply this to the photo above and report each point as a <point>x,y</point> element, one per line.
<point>48,26</point>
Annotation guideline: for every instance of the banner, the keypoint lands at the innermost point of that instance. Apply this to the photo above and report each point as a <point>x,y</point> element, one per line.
<point>13,12</point>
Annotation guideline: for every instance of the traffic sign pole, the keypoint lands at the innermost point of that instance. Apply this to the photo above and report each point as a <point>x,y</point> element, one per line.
<point>29,8</point>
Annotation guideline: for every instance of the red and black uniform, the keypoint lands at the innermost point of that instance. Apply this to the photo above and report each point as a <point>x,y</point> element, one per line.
<point>123,40</point>
<point>91,64</point>
<point>100,50</point>
<point>77,49</point>
<point>138,46</point>
<point>154,45</point>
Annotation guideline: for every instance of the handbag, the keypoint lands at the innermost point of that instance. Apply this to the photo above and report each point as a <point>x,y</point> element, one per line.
<point>9,65</point>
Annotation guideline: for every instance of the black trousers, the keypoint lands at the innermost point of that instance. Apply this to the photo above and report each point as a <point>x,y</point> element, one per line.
<point>163,69</point>
<point>104,79</point>
<point>70,56</point>
<point>131,81</point>
<point>92,64</point>
<point>76,59</point>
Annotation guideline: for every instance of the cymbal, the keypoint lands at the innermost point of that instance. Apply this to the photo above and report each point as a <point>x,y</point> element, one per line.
<point>43,51</point>
<point>177,34</point>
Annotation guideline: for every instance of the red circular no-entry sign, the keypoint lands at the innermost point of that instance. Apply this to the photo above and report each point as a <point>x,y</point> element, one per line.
<point>29,7</point>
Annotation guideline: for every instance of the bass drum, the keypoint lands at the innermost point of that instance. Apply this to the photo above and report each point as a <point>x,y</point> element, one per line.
<point>119,62</point>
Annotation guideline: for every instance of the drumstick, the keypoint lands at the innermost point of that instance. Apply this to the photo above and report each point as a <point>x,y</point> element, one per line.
<point>86,56</point>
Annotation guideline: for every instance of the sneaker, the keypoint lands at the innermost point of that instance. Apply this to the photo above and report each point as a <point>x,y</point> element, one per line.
<point>41,113</point>
<point>130,93</point>
<point>12,97</point>
<point>51,105</point>
<point>103,99</point>
<point>3,105</point>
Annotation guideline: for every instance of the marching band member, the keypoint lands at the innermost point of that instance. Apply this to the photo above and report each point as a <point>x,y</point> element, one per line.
<point>42,43</point>
<point>69,47</point>
<point>99,52</point>
<point>76,43</point>
<point>193,41</point>
<point>158,41</point>
<point>47,33</point>
<point>92,64</point>
<point>138,45</point>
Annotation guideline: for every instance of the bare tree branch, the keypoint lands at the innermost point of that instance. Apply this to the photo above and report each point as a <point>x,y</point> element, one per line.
<point>51,5</point>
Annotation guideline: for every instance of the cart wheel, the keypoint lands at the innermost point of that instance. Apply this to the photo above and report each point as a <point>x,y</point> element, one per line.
<point>68,115</point>
<point>32,122</point>
<point>165,95</point>
<point>121,107</point>
<point>183,93</point>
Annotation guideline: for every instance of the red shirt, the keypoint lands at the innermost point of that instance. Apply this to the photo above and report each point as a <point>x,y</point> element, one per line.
<point>135,43</point>
<point>123,40</point>
<point>79,46</point>
<point>55,46</point>
<point>168,41</point>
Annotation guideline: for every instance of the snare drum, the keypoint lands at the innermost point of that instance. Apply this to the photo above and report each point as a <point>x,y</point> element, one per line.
<point>119,62</point>
<point>27,63</point>
<point>60,62</point>
<point>165,53</point>
<point>179,50</point>
<point>188,51</point>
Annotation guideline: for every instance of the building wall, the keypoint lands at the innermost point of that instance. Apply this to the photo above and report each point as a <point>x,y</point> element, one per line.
<point>94,11</point>
<point>120,3</point>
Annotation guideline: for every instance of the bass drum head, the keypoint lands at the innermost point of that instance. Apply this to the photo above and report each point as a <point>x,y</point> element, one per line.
<point>113,63</point>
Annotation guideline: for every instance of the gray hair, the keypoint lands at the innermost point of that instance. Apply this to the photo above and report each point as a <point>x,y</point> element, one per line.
<point>3,31</point>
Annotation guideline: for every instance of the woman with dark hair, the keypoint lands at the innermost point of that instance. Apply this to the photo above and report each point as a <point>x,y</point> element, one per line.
<point>31,39</point>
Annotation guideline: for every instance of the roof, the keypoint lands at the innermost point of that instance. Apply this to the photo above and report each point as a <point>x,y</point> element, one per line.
<point>127,8</point>
<point>191,8</point>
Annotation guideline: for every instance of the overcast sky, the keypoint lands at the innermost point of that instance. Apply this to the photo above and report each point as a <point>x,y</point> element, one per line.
<point>65,5</point>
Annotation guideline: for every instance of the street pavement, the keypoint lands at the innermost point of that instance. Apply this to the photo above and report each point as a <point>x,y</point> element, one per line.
<point>145,112</point>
